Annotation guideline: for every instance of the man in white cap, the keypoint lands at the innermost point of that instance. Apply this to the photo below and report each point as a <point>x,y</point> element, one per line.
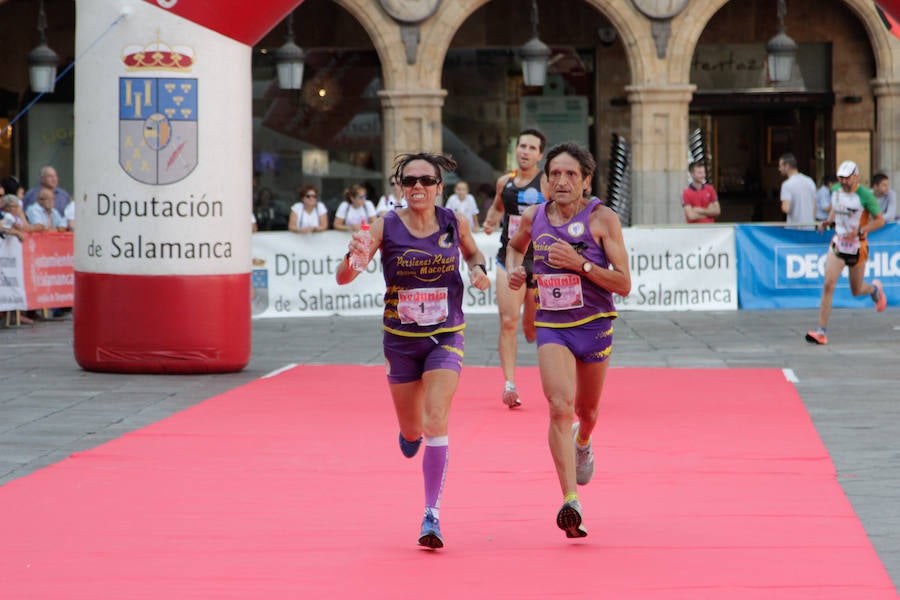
<point>854,213</point>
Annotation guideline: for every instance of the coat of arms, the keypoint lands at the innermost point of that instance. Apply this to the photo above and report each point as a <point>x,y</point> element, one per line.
<point>158,115</point>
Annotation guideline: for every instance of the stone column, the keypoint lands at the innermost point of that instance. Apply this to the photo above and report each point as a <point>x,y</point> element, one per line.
<point>887,123</point>
<point>412,122</point>
<point>659,130</point>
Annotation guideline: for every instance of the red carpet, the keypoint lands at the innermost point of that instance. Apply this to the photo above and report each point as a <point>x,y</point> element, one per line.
<point>710,484</point>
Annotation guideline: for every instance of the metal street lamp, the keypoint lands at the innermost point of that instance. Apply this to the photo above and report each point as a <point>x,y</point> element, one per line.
<point>782,50</point>
<point>42,61</point>
<point>289,60</point>
<point>535,54</point>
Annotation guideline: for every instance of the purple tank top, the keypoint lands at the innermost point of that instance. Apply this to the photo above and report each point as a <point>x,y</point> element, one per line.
<point>567,298</point>
<point>424,288</point>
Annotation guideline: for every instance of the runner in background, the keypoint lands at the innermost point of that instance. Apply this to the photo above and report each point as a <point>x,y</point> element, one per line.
<point>515,192</point>
<point>854,213</point>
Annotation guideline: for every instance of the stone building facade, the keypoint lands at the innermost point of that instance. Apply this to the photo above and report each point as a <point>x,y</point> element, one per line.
<point>650,71</point>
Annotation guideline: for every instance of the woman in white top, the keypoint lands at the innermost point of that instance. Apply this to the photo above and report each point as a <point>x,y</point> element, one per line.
<point>463,202</point>
<point>309,215</point>
<point>355,210</point>
<point>392,201</point>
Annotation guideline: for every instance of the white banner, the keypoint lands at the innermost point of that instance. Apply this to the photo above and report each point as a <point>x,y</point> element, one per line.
<point>293,276</point>
<point>681,269</point>
<point>671,269</point>
<point>12,275</point>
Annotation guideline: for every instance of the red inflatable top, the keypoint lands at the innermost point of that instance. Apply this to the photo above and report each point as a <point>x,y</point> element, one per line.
<point>247,22</point>
<point>891,7</point>
<point>242,20</point>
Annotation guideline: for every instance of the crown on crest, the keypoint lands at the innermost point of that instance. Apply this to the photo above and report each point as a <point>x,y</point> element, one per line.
<point>158,56</point>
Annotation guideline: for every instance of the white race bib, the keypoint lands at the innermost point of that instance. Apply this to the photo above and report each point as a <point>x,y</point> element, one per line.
<point>847,245</point>
<point>514,222</point>
<point>559,292</point>
<point>423,306</point>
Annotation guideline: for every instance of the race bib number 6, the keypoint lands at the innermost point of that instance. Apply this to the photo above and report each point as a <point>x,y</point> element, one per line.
<point>559,292</point>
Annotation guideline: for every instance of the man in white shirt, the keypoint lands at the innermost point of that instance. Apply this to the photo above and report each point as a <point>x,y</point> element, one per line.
<point>42,215</point>
<point>823,197</point>
<point>798,194</point>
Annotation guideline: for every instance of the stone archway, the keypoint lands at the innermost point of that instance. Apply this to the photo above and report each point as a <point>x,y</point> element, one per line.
<point>885,85</point>
<point>413,97</point>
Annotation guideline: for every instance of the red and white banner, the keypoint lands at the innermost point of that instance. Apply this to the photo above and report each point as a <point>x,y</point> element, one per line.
<point>36,273</point>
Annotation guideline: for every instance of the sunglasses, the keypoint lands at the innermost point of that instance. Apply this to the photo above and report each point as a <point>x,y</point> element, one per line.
<point>311,196</point>
<point>426,181</point>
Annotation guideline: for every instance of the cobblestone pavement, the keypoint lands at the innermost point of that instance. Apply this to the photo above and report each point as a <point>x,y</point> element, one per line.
<point>50,408</point>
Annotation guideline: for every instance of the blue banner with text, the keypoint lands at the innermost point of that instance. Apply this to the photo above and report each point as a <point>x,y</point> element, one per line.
<point>784,268</point>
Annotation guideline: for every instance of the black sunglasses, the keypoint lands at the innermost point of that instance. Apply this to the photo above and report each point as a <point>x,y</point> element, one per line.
<point>426,180</point>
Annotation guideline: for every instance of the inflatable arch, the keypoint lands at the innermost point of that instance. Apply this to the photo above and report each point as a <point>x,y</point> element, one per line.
<point>162,168</point>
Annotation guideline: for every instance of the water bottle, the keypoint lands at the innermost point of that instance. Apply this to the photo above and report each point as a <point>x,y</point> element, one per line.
<point>359,260</point>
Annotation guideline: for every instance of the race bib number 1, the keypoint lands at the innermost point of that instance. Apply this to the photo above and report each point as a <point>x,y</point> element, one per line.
<point>559,292</point>
<point>423,306</point>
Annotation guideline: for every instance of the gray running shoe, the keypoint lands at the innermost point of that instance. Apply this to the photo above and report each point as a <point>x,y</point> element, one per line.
<point>511,395</point>
<point>569,520</point>
<point>584,459</point>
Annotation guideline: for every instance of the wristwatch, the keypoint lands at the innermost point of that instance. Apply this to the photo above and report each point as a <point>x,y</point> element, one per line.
<point>587,266</point>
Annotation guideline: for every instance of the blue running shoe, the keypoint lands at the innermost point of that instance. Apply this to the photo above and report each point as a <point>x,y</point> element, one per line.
<point>431,532</point>
<point>569,520</point>
<point>409,449</point>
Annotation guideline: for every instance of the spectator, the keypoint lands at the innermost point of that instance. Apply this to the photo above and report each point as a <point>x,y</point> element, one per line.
<point>8,219</point>
<point>69,216</point>
<point>309,215</point>
<point>699,199</point>
<point>887,199</point>
<point>463,202</point>
<point>798,194</point>
<point>392,200</point>
<point>13,222</point>
<point>43,215</point>
<point>11,206</point>
<point>265,210</point>
<point>823,197</point>
<point>49,181</point>
<point>355,210</point>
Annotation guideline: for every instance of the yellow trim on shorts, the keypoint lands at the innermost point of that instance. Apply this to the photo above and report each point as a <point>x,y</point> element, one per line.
<point>603,354</point>
<point>449,348</point>
<point>426,334</point>
<point>611,315</point>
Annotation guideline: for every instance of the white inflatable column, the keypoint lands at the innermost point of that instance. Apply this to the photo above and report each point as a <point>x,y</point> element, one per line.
<point>163,171</point>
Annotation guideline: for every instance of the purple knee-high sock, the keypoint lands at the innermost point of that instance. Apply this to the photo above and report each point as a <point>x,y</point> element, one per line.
<point>434,470</point>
